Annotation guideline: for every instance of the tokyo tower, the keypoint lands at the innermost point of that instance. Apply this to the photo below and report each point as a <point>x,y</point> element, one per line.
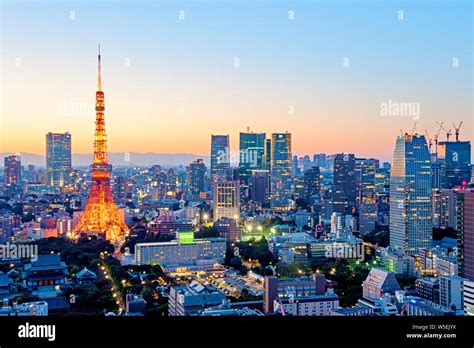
<point>101,216</point>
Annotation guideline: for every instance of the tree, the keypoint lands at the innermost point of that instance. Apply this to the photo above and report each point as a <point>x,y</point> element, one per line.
<point>236,263</point>
<point>147,294</point>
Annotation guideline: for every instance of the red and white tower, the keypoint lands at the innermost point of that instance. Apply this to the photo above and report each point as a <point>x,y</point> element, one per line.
<point>101,216</point>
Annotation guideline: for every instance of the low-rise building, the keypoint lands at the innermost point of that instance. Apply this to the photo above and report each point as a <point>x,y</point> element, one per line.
<point>378,283</point>
<point>135,304</point>
<point>275,287</point>
<point>313,305</point>
<point>185,254</point>
<point>428,289</point>
<point>45,276</point>
<point>192,299</point>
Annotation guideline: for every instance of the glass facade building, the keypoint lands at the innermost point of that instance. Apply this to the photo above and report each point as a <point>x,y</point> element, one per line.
<point>220,156</point>
<point>454,158</point>
<point>58,159</point>
<point>251,157</point>
<point>280,172</point>
<point>411,196</point>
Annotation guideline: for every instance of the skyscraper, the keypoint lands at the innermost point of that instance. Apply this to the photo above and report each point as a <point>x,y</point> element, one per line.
<point>101,215</point>
<point>259,187</point>
<point>220,156</point>
<point>12,167</point>
<point>58,159</point>
<point>251,154</point>
<point>344,193</point>
<point>195,177</point>
<point>226,199</point>
<point>280,165</point>
<point>465,201</point>
<point>454,158</point>
<point>312,183</point>
<point>411,195</point>
<point>365,169</point>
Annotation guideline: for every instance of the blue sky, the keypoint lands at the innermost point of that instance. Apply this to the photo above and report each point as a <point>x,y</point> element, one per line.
<point>188,64</point>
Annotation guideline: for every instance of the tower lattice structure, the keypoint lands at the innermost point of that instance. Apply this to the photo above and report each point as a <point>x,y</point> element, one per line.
<point>101,215</point>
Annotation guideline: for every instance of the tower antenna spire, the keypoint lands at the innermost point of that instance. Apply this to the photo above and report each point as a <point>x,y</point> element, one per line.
<point>99,83</point>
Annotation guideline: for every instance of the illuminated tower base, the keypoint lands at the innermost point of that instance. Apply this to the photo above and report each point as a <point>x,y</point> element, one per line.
<point>101,216</point>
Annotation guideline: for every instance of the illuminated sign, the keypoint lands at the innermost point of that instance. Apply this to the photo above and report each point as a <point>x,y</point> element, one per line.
<point>186,237</point>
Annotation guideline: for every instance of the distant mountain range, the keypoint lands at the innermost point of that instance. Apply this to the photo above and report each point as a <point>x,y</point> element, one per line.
<point>118,159</point>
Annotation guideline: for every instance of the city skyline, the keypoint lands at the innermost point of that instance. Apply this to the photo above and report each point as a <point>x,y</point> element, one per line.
<point>251,81</point>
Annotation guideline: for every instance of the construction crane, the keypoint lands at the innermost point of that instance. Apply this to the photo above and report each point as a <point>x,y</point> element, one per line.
<point>456,130</point>
<point>437,136</point>
<point>414,129</point>
<point>430,141</point>
<point>448,132</point>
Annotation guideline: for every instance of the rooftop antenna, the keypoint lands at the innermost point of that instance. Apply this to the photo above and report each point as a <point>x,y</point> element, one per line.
<point>99,83</point>
<point>456,130</point>
<point>413,129</point>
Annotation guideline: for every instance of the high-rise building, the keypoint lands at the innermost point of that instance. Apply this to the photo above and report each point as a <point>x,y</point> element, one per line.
<point>195,177</point>
<point>280,175</point>
<point>312,184</point>
<point>320,160</point>
<point>366,201</point>
<point>101,215</point>
<point>251,157</point>
<point>465,211</point>
<point>259,187</point>
<point>267,154</point>
<point>226,199</point>
<point>455,163</point>
<point>12,166</point>
<point>468,291</point>
<point>58,159</point>
<point>445,208</point>
<point>411,196</point>
<point>220,156</point>
<point>344,193</point>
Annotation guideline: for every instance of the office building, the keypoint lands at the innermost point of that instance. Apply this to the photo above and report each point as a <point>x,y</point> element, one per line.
<point>280,174</point>
<point>466,234</point>
<point>313,305</point>
<point>428,289</point>
<point>220,156</point>
<point>260,187</point>
<point>195,177</point>
<point>251,157</point>
<point>445,208</point>
<point>411,196</point>
<point>227,228</point>
<point>450,292</point>
<point>12,167</point>
<point>344,192</point>
<point>455,163</point>
<point>58,159</point>
<point>182,254</point>
<point>468,291</point>
<point>226,199</point>
<point>192,299</point>
<point>312,184</point>
<point>275,288</point>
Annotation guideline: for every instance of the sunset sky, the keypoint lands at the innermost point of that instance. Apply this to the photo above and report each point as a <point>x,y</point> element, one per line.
<point>170,83</point>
